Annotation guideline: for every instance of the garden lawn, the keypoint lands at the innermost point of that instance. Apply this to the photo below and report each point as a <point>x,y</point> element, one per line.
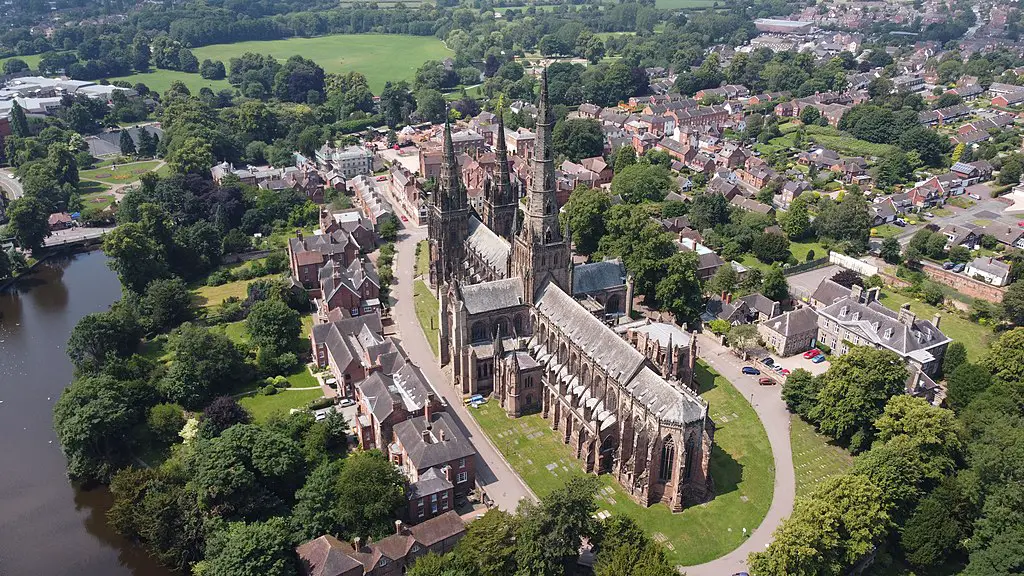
<point>123,174</point>
<point>886,231</point>
<point>814,457</point>
<point>426,311</point>
<point>741,465</point>
<point>262,407</point>
<point>160,81</point>
<point>975,337</point>
<point>207,296</point>
<point>846,144</point>
<point>380,57</point>
<point>799,250</point>
<point>32,60</point>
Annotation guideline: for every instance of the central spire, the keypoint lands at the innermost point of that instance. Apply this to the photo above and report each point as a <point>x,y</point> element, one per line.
<point>450,191</point>
<point>504,192</point>
<point>542,208</point>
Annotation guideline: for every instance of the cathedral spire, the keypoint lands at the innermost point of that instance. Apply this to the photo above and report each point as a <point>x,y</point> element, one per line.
<point>504,192</point>
<point>450,187</point>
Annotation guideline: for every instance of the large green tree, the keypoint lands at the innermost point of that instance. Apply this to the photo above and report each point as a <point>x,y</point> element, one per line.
<point>370,492</point>
<point>965,383</point>
<point>272,324</point>
<point>1006,356</point>
<point>19,122</point>
<point>578,138</point>
<point>204,364</point>
<point>263,548</point>
<point>102,336</point>
<point>135,256</point>
<point>796,222</point>
<point>29,222</point>
<point>774,285</point>
<point>679,291</point>
<point>800,391</point>
<point>585,212</point>
<point>1013,303</point>
<point>626,550</point>
<point>642,182</point>
<point>550,532</point>
<point>166,303</point>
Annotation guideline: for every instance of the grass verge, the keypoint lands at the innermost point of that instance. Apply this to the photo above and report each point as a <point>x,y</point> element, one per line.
<point>741,465</point>
<point>262,407</point>
<point>423,258</point>
<point>426,311</point>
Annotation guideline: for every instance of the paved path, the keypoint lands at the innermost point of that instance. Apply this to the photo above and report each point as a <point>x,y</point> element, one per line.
<point>493,472</point>
<point>767,402</point>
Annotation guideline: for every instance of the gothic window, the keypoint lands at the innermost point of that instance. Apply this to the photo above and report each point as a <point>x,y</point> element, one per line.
<point>479,332</point>
<point>517,323</point>
<point>548,208</point>
<point>528,382</point>
<point>668,459</point>
<point>547,235</point>
<point>691,453</point>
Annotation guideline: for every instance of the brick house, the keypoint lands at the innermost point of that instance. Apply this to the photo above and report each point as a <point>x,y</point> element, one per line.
<point>354,289</point>
<point>306,255</point>
<point>350,348</point>
<point>429,449</point>
<point>354,223</point>
<point>387,397</point>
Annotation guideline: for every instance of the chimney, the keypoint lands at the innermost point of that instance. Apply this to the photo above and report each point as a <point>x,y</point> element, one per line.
<point>427,407</point>
<point>629,297</point>
<point>936,319</point>
<point>447,471</point>
<point>426,436</point>
<point>357,543</point>
<point>872,295</point>
<point>856,291</point>
<point>728,298</point>
<point>298,234</point>
<point>440,433</point>
<point>905,316</point>
<point>399,527</point>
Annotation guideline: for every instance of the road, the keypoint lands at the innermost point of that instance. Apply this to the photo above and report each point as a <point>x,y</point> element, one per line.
<point>767,402</point>
<point>493,472</point>
<point>74,235</point>
<point>9,186</point>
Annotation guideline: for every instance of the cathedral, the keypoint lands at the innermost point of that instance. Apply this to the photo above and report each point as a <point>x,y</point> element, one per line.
<point>521,321</point>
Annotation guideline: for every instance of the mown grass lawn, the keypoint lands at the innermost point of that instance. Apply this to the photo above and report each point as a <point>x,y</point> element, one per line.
<point>160,80</point>
<point>380,57</point>
<point>123,174</point>
<point>423,259</point>
<point>886,231</point>
<point>262,407</point>
<point>426,311</point>
<point>845,143</point>
<point>975,337</point>
<point>814,457</point>
<point>741,466</point>
<point>207,296</point>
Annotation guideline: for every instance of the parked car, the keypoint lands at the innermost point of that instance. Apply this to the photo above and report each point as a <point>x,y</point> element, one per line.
<point>811,353</point>
<point>1020,223</point>
<point>900,222</point>
<point>818,359</point>
<point>959,268</point>
<point>404,219</point>
<point>975,196</point>
<point>948,264</point>
<point>765,381</point>
<point>928,215</point>
<point>777,368</point>
<point>346,403</point>
<point>768,360</point>
<point>785,371</point>
<point>751,370</point>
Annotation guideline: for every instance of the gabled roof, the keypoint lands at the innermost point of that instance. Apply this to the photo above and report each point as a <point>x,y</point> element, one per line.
<point>829,291</point>
<point>794,322</point>
<point>597,276</point>
<point>433,445</point>
<point>490,296</point>
<point>326,556</point>
<point>877,324</point>
<point>492,248</point>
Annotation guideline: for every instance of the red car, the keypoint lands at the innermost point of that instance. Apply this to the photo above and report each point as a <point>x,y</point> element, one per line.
<point>812,353</point>
<point>404,219</point>
<point>785,371</point>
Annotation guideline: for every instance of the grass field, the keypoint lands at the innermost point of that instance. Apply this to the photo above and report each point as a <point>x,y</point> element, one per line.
<point>686,4</point>
<point>32,61</point>
<point>741,465</point>
<point>426,311</point>
<point>975,337</point>
<point>381,57</point>
<point>262,407</point>
<point>814,458</point>
<point>160,80</point>
<point>845,144</point>
<point>886,231</point>
<point>123,174</point>
<point>799,251</point>
<point>207,296</point>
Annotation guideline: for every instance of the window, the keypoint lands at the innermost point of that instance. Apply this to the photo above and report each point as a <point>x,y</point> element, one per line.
<point>462,477</point>
<point>433,503</point>
<point>444,501</point>
<point>384,562</point>
<point>462,462</point>
<point>419,508</point>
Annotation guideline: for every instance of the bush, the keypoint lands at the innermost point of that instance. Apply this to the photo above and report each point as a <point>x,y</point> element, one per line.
<point>276,262</point>
<point>320,403</point>
<point>219,277</point>
<point>810,255</point>
<point>933,295</point>
<point>165,421</point>
<point>268,390</point>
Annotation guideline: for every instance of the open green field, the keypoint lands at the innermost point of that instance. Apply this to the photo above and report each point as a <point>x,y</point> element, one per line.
<point>846,144</point>
<point>814,458</point>
<point>32,61</point>
<point>741,465</point>
<point>95,197</point>
<point>262,407</point>
<point>123,174</point>
<point>160,80</point>
<point>799,250</point>
<point>975,337</point>
<point>687,4</point>
<point>426,312</point>
<point>381,57</point>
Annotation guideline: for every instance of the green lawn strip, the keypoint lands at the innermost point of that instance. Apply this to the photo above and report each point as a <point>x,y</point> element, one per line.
<point>262,407</point>
<point>741,466</point>
<point>207,296</point>
<point>814,457</point>
<point>426,311</point>
<point>886,231</point>
<point>380,57</point>
<point>975,337</point>
<point>123,174</point>
<point>160,80</point>
<point>423,259</point>
<point>799,250</point>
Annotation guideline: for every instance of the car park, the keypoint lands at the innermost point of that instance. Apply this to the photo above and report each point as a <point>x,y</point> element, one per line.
<point>751,370</point>
<point>959,268</point>
<point>811,353</point>
<point>766,381</point>
<point>818,359</point>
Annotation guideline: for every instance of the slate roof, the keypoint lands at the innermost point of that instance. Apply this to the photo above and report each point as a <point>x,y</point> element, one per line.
<point>597,276</point>
<point>873,321</point>
<point>797,321</point>
<point>490,296</point>
<point>346,338</point>
<point>492,248</point>
<point>424,454</point>
<point>665,401</point>
<point>407,387</point>
<point>662,332</point>
<point>430,482</point>
<point>335,277</point>
<point>828,292</point>
<point>326,556</point>
<point>991,266</point>
<point>761,303</point>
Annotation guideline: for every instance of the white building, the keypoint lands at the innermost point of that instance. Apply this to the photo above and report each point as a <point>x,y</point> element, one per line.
<point>989,270</point>
<point>349,161</point>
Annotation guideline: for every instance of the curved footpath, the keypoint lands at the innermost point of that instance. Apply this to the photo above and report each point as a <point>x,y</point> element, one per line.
<point>505,486</point>
<point>767,402</point>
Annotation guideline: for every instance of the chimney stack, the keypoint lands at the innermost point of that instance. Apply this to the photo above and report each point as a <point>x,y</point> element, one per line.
<point>447,471</point>
<point>856,291</point>
<point>357,543</point>
<point>936,319</point>
<point>298,234</point>
<point>441,434</point>
<point>427,408</point>
<point>905,316</point>
<point>398,527</point>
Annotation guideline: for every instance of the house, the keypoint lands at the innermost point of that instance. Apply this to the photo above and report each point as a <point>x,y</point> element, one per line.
<point>350,348</point>
<point>307,254</point>
<point>351,221</point>
<point>883,212</point>
<point>676,224</point>
<point>433,442</point>
<point>598,166</point>
<point>1008,235</point>
<point>761,307</point>
<point>790,333</point>
<point>1011,99</point>
<point>722,186</point>
<point>758,176</point>
<point>389,396</point>
<point>827,293</point>
<point>59,221</point>
<point>390,556</point>
<point>820,157</point>
<point>724,308</point>
<point>707,261</point>
<point>968,92</point>
<point>962,235</point>
<point>860,320</point>
<point>353,289</point>
<point>751,205</point>
<point>994,272</point>
<point>349,161</point>
<point>791,190</point>
<point>997,89</point>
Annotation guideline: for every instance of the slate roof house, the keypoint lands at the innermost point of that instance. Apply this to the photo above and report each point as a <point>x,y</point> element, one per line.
<point>307,254</point>
<point>437,459</point>
<point>392,395</point>
<point>790,333</point>
<point>350,348</point>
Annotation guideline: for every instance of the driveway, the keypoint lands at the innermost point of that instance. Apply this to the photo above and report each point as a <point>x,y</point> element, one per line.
<point>493,472</point>
<point>768,404</point>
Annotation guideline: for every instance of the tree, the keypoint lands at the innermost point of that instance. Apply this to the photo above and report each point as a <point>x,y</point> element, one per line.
<point>826,534</point>
<point>550,532</point>
<point>204,363</point>
<point>212,70</point>
<point>370,491</point>
<point>315,511</point>
<point>708,211</point>
<point>102,336</point>
<point>578,138</point>
<point>936,247</point>
<point>625,550</point>
<point>771,247</point>
<point>1006,356</point>
<point>774,285</point>
<point>193,156</point>
<point>938,527</point>
<point>165,421</point>
<point>93,418</point>
<point>854,392</point>
<point>810,115</point>
<point>890,250</point>
<point>490,543</point>
<point>847,278</point>
<point>147,143</point>
<point>625,157</point>
<point>6,267</point>
<point>135,256</point>
<point>29,222</point>
<point>744,337</point>
<point>272,324</point>
<point>678,290</point>
<point>1010,171</point>
<point>800,391</point>
<point>19,122</point>
<point>796,222</point>
<point>298,80</point>
<point>935,436</point>
<point>894,169</point>
<point>931,147</point>
<point>127,144</point>
<point>431,106</point>
<point>956,354</point>
<point>221,414</point>
<point>166,303</point>
<point>388,230</point>
<point>641,182</point>
<point>725,280</point>
<point>585,212</point>
<point>259,548</point>
<point>1013,303</point>
<point>14,65</point>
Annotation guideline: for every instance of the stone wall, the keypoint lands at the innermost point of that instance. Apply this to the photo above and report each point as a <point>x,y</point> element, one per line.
<point>965,284</point>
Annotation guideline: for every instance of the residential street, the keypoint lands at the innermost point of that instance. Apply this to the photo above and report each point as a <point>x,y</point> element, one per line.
<point>9,186</point>
<point>767,402</point>
<point>500,481</point>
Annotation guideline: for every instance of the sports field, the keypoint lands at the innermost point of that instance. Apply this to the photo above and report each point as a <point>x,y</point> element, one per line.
<point>381,57</point>
<point>32,60</point>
